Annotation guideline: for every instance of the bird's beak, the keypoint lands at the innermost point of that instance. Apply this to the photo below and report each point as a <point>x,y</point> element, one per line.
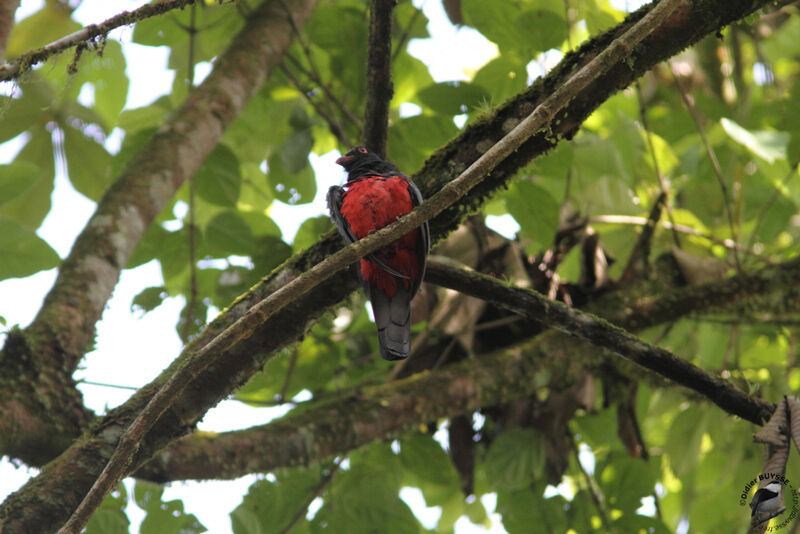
<point>342,160</point>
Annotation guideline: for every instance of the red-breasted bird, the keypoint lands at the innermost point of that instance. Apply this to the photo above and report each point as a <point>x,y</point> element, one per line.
<point>376,194</point>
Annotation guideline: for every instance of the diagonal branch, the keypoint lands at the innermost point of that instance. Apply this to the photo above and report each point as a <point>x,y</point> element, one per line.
<point>603,334</point>
<point>26,509</point>
<point>298,439</point>
<point>25,62</point>
<point>45,355</point>
<point>118,465</point>
<point>379,75</point>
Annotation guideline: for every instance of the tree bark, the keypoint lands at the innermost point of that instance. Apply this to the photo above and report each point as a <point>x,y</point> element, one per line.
<point>685,26</point>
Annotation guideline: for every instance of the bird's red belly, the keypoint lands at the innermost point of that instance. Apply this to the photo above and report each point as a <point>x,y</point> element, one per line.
<point>370,204</point>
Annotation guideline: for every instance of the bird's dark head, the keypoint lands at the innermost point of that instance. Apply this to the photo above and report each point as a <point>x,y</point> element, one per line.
<point>361,161</point>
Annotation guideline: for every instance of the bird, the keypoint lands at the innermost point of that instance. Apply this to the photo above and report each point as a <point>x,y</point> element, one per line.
<point>766,499</point>
<point>375,194</point>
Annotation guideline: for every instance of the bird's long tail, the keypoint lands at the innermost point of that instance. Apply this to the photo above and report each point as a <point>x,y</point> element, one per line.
<point>393,319</point>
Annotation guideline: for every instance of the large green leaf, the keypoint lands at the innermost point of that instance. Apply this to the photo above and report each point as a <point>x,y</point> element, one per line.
<point>535,210</point>
<point>288,187</point>
<point>453,98</point>
<point>362,501</point>
<point>163,516</point>
<point>31,206</point>
<point>765,144</point>
<point>502,77</point>
<point>219,180</point>
<point>516,27</point>
<point>432,470</point>
<point>269,506</point>
<point>23,252</point>
<point>16,178</point>
<point>515,459</point>
<point>227,234</point>
<point>45,26</point>
<point>88,163</point>
<point>110,517</point>
<point>524,512</point>
<point>104,71</point>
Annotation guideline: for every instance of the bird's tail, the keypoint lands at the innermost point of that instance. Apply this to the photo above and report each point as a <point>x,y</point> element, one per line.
<point>393,319</point>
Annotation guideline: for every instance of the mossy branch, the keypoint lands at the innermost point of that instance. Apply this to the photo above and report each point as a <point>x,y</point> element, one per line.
<point>13,69</point>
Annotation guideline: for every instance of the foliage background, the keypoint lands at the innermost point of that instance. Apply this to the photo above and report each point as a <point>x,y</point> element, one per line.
<point>646,439</point>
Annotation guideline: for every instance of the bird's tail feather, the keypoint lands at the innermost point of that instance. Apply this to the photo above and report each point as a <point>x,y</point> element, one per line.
<point>393,319</point>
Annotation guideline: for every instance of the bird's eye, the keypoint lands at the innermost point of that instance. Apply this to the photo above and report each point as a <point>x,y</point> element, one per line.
<point>362,150</point>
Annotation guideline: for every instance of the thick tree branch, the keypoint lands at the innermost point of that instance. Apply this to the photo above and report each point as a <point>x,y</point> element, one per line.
<point>603,334</point>
<point>379,75</point>
<point>687,24</point>
<point>46,354</point>
<point>15,68</point>
<point>118,465</point>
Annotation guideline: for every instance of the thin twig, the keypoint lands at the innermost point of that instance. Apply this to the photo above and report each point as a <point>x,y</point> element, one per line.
<point>333,123</point>
<point>192,304</point>
<point>13,69</point>
<point>121,461</point>
<point>379,76</point>
<point>638,262</point>
<point>323,484</point>
<point>651,148</point>
<point>628,219</point>
<point>287,379</point>
<point>762,214</point>
<point>317,80</point>
<point>698,122</point>
<point>594,490</point>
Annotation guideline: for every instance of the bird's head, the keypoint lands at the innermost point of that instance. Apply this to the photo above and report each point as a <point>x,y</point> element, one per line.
<point>361,161</point>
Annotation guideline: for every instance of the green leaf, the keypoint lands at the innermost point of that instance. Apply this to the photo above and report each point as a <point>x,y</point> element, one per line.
<point>503,77</point>
<point>45,26</point>
<point>16,178</point>
<point>309,232</point>
<point>684,440</point>
<point>515,459</point>
<point>295,150</point>
<point>163,516</point>
<point>534,209</point>
<point>513,28</point>
<point>105,73</point>
<point>149,298</point>
<point>145,117</point>
<point>24,253</point>
<point>541,29</point>
<point>219,180</point>
<point>765,144</point>
<point>411,140</point>
<point>291,188</point>
<point>361,501</point>
<point>269,507</point>
<point>453,98</point>
<point>432,470</point>
<point>523,509</point>
<point>88,164</point>
<point>626,480</point>
<point>227,234</point>
<point>31,206</point>
<point>110,517</point>
<point>596,429</point>
<point>19,114</point>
